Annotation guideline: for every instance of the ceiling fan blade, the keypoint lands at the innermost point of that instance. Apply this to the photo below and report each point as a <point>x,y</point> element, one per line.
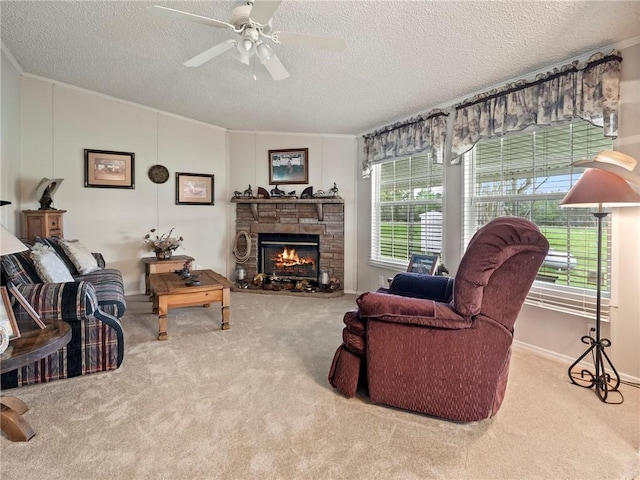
<point>209,54</point>
<point>275,68</point>
<point>304,40</point>
<point>263,10</point>
<point>170,12</point>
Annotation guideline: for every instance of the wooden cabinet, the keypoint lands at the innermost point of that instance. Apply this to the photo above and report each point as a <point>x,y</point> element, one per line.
<point>42,223</point>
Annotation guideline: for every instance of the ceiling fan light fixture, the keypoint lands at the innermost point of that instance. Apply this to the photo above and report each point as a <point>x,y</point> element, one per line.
<point>247,43</point>
<point>246,47</point>
<point>238,55</point>
<point>263,51</point>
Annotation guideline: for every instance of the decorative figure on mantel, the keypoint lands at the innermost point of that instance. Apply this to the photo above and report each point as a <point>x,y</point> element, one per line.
<point>237,194</point>
<point>276,192</point>
<point>248,192</point>
<point>163,245</point>
<point>307,193</point>
<point>292,194</point>
<point>331,193</point>
<point>45,190</point>
<point>262,193</point>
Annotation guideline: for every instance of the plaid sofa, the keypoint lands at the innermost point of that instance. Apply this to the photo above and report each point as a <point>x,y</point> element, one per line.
<point>91,305</point>
<point>18,268</point>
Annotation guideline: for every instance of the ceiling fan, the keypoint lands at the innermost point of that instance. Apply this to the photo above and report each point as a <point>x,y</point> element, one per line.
<point>252,24</point>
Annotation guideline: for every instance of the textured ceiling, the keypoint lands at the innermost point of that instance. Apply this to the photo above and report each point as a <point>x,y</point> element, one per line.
<point>402,57</point>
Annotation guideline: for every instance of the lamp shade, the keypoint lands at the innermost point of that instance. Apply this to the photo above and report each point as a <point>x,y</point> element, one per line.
<point>9,243</point>
<point>601,188</point>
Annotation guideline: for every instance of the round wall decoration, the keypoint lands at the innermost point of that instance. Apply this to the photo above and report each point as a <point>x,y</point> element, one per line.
<point>158,174</point>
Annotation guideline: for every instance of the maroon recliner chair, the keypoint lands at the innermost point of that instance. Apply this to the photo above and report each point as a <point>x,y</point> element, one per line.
<point>445,357</point>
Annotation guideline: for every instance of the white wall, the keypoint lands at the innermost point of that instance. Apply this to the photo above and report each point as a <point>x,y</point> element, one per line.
<point>625,316</point>
<point>59,122</point>
<point>10,159</point>
<point>331,159</point>
<point>541,329</point>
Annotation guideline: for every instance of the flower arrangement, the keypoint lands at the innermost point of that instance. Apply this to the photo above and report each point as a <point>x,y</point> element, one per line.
<point>164,244</point>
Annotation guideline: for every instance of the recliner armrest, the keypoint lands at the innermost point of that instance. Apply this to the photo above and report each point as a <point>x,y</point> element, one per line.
<point>419,285</point>
<point>413,311</point>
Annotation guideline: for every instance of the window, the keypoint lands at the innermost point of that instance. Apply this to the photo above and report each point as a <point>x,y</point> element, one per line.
<point>526,175</point>
<point>407,210</point>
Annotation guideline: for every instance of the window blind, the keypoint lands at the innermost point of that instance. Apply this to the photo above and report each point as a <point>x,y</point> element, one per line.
<point>526,175</point>
<point>406,210</point>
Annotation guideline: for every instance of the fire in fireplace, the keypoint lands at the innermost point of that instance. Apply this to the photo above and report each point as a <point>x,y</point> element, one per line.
<point>289,256</point>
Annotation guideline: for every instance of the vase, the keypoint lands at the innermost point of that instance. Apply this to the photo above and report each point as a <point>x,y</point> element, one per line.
<point>164,255</point>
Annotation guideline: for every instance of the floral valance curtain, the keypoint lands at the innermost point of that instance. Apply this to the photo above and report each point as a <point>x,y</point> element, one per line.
<point>419,134</point>
<point>589,91</point>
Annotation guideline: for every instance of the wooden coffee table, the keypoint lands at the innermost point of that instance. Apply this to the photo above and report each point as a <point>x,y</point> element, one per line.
<point>29,348</point>
<point>169,290</point>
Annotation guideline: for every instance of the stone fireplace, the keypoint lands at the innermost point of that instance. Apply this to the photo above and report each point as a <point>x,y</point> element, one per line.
<point>292,224</point>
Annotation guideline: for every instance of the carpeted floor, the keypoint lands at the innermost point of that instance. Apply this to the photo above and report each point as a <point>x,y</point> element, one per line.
<point>253,402</point>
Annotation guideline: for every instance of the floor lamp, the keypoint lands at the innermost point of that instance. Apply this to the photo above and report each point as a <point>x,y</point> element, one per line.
<point>599,188</point>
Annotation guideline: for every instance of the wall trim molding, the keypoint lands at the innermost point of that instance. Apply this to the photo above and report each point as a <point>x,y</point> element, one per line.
<point>294,134</point>
<point>11,58</point>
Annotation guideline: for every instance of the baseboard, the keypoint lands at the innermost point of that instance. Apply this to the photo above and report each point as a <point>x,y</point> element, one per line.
<point>569,360</point>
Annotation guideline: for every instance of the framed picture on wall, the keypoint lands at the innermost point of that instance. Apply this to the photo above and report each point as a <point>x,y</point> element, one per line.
<point>108,169</point>
<point>289,166</point>
<point>420,263</point>
<point>194,189</point>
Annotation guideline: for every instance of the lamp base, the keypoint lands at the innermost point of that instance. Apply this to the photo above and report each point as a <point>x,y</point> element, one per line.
<point>603,382</point>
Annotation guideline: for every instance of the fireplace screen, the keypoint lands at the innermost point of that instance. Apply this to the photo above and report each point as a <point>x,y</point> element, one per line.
<point>289,256</point>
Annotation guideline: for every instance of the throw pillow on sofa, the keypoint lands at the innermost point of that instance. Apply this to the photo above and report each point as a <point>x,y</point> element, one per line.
<point>81,257</point>
<point>49,266</point>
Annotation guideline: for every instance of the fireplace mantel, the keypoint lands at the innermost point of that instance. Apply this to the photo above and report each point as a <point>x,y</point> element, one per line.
<point>318,202</point>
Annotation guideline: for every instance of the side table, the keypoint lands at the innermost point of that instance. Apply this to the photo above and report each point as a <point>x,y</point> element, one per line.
<point>42,223</point>
<point>29,348</point>
<point>153,265</point>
